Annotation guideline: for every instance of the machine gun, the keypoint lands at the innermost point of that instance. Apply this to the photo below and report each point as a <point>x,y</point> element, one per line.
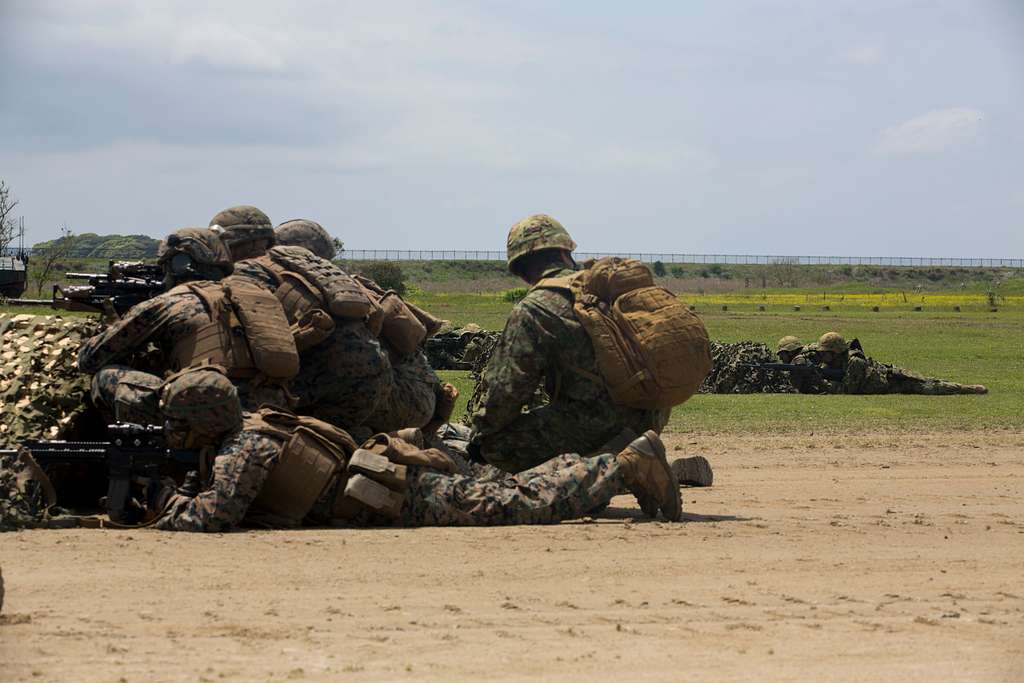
<point>833,374</point>
<point>125,284</point>
<point>135,455</point>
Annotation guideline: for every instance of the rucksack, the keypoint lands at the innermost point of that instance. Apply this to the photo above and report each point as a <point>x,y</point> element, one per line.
<point>651,350</point>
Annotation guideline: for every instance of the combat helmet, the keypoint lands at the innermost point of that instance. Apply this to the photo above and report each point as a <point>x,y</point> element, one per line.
<point>194,254</point>
<point>245,230</point>
<point>789,343</point>
<point>203,398</point>
<point>301,232</point>
<point>833,342</point>
<point>535,233</point>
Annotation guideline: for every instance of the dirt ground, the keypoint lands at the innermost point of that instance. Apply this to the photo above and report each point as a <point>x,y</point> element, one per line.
<point>893,557</point>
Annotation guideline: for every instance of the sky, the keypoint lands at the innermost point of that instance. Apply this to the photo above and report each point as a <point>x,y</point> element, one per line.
<point>819,127</point>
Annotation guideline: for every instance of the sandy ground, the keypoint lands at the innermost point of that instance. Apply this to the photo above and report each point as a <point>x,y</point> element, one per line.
<point>864,558</point>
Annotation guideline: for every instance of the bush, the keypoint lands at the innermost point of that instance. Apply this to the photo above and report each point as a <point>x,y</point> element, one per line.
<point>678,271</point>
<point>659,269</point>
<point>387,274</point>
<point>515,295</point>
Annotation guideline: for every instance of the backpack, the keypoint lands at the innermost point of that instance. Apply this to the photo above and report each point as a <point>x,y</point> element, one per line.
<point>651,351</point>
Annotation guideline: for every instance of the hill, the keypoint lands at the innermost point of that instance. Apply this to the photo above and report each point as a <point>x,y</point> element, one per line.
<point>91,245</point>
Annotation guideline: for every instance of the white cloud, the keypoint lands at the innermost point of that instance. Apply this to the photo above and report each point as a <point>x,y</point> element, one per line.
<point>866,55</point>
<point>931,132</point>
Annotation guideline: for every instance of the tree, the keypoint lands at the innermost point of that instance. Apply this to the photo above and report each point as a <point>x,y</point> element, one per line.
<point>7,206</point>
<point>339,248</point>
<point>46,258</point>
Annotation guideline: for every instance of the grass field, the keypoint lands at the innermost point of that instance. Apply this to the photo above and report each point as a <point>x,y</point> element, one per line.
<point>973,346</point>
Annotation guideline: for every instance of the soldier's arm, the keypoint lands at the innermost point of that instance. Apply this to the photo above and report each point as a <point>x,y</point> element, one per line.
<point>516,368</point>
<point>239,471</point>
<point>125,337</point>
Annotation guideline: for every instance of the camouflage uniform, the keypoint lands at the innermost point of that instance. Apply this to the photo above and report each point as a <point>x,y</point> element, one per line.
<point>565,488</point>
<point>126,395</point>
<point>413,396</point>
<point>541,341</point>
<point>863,375</point>
<point>344,379</point>
<point>809,380</point>
<point>163,321</point>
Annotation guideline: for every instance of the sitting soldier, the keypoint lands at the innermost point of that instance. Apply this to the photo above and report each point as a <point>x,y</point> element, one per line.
<point>274,468</point>
<point>864,375</point>
<point>205,317</point>
<point>414,396</point>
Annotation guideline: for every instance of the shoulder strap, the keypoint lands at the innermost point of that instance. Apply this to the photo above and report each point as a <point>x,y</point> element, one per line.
<point>564,283</point>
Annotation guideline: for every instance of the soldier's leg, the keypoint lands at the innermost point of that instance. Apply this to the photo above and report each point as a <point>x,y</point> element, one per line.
<point>577,486</point>
<point>126,395</point>
<point>412,398</point>
<point>927,386</point>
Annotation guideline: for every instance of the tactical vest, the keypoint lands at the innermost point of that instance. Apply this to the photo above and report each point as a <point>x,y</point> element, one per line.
<point>402,325</point>
<point>307,282</point>
<point>651,351</point>
<point>247,334</point>
<point>313,455</point>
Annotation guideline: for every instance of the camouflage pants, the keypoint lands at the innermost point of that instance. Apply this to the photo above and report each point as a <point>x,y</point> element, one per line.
<point>565,487</point>
<point>537,435</point>
<point>412,398</point>
<point>926,386</point>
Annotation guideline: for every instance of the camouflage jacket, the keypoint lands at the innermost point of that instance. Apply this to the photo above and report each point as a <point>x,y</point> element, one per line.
<point>163,320</point>
<point>541,341</point>
<point>240,468</point>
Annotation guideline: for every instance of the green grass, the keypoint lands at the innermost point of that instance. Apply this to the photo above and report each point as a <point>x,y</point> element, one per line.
<point>975,347</point>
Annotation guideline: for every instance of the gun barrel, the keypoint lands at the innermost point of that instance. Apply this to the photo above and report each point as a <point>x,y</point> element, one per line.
<point>84,276</point>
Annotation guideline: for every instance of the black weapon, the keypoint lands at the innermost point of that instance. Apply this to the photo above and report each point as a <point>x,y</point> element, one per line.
<point>834,374</point>
<point>135,454</point>
<point>125,284</point>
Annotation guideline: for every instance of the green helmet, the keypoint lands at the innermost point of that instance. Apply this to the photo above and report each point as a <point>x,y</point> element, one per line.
<point>308,234</point>
<point>203,397</point>
<point>245,230</point>
<point>789,343</point>
<point>535,233</point>
<point>833,341</point>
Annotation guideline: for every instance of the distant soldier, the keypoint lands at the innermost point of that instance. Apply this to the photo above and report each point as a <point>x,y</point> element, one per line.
<point>543,343</point>
<point>274,468</point>
<point>863,375</point>
<point>788,348</point>
<point>807,379</point>
<point>205,317</point>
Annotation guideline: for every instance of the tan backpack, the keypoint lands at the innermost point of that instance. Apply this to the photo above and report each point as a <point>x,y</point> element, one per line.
<point>651,351</point>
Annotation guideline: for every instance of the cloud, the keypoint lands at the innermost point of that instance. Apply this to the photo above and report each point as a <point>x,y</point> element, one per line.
<point>934,131</point>
<point>865,55</point>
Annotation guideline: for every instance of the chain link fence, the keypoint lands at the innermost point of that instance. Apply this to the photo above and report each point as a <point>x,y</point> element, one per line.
<point>649,257</point>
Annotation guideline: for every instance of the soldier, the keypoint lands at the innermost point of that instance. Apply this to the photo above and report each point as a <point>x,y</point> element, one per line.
<point>196,321</point>
<point>414,396</point>
<point>788,348</point>
<point>260,473</point>
<point>544,343</point>
<point>864,375</point>
<point>807,379</point>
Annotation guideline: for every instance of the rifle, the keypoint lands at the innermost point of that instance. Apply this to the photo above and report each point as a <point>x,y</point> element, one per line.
<point>834,374</point>
<point>135,454</point>
<point>125,284</point>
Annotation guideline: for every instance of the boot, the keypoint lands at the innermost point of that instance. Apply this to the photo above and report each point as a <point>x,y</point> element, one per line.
<point>694,471</point>
<point>973,389</point>
<point>649,477</point>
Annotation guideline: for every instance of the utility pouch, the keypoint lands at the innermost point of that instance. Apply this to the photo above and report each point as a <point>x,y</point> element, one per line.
<point>304,471</point>
<point>378,468</point>
<point>313,328</point>
<point>375,496</point>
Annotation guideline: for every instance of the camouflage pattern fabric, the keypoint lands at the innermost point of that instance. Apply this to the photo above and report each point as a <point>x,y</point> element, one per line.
<point>729,376</point>
<point>565,488</point>
<point>21,506</point>
<point>345,379</point>
<point>163,321</point>
<point>126,395</point>
<point>413,396</point>
<point>41,390</point>
<point>459,349</point>
<point>541,341</point>
<point>867,376</point>
<point>240,468</point>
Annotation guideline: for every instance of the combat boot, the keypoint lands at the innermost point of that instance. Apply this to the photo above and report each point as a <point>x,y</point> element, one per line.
<point>693,471</point>
<point>649,477</point>
<point>973,389</point>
